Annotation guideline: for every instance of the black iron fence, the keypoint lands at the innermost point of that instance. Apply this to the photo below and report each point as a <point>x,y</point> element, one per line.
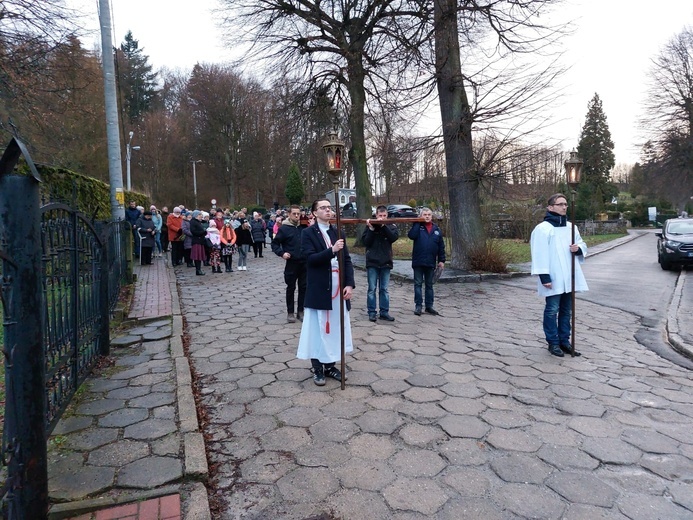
<point>61,275</point>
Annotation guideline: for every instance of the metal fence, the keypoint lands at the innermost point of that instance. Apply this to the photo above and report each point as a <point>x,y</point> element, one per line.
<point>61,276</point>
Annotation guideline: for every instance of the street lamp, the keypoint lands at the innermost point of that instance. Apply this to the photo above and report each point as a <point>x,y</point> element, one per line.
<point>334,161</point>
<point>195,179</point>
<point>128,155</point>
<point>573,169</point>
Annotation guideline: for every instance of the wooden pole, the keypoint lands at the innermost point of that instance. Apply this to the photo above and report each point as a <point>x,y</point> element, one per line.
<point>572,272</point>
<point>340,278</point>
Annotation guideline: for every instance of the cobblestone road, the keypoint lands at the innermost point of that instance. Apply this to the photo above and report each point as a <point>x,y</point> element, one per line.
<point>460,416</point>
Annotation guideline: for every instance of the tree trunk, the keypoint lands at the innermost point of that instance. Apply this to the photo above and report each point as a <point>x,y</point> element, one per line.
<point>357,152</point>
<point>466,228</point>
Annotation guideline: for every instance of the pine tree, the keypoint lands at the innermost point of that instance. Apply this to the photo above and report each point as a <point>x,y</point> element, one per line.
<point>137,81</point>
<point>596,149</point>
<point>294,185</point>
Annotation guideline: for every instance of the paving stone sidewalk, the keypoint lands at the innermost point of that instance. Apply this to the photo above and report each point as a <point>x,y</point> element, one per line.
<point>464,415</point>
<point>129,445</point>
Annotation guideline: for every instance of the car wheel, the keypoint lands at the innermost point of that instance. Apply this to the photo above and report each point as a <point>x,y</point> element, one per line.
<point>666,266</point>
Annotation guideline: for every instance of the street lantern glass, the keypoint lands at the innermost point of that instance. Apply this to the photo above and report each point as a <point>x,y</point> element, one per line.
<point>573,169</point>
<point>334,154</point>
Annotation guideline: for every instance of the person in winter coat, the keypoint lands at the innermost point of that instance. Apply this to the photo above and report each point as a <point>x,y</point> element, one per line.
<point>320,333</point>
<point>552,253</point>
<point>244,239</point>
<point>287,245</point>
<point>132,214</point>
<point>228,241</point>
<point>215,250</point>
<point>147,231</point>
<point>174,222</point>
<point>164,229</point>
<point>198,234</point>
<point>158,222</point>
<point>427,254</point>
<point>187,242</point>
<point>257,228</point>
<point>378,239</point>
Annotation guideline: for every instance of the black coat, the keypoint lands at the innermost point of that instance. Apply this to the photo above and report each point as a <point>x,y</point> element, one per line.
<point>379,244</point>
<point>144,227</point>
<point>198,232</point>
<point>288,240</point>
<point>319,290</point>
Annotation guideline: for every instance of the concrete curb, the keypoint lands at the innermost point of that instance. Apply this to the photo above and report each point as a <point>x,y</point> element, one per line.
<point>672,324</point>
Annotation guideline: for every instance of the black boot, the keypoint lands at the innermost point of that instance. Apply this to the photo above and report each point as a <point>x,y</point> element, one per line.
<point>198,268</point>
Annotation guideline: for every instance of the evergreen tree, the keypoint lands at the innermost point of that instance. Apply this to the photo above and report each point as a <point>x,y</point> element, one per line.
<point>596,149</point>
<point>137,81</point>
<point>294,185</point>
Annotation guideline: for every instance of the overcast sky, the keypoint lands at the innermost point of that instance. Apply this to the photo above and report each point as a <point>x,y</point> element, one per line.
<point>610,52</point>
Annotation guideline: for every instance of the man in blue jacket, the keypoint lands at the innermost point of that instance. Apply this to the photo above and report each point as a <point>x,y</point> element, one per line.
<point>428,252</point>
<point>132,215</point>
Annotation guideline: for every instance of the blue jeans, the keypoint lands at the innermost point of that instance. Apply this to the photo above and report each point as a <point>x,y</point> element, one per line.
<point>557,315</point>
<point>378,277</point>
<point>421,275</point>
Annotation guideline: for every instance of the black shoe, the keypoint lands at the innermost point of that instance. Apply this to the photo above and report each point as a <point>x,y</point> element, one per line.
<point>566,349</point>
<point>417,310</point>
<point>385,316</point>
<point>228,270</point>
<point>431,310</point>
<point>372,316</point>
<point>319,376</point>
<point>299,315</point>
<point>334,373</point>
<point>556,350</point>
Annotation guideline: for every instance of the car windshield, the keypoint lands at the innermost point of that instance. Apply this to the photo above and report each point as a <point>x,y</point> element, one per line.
<point>680,228</point>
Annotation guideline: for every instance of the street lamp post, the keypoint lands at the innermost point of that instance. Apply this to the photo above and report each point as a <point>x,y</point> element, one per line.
<point>128,155</point>
<point>195,179</point>
<point>334,161</point>
<point>573,168</point>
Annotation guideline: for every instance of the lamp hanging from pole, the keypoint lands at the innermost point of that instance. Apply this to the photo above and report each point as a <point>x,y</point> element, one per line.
<point>573,169</point>
<point>334,162</point>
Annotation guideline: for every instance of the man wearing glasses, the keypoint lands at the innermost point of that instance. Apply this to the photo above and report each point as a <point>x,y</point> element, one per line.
<point>551,259</point>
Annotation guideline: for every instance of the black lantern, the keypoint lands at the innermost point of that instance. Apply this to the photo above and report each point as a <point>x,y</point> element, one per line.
<point>573,169</point>
<point>334,154</point>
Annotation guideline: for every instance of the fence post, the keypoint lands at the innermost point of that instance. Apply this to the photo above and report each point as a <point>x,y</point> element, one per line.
<point>104,293</point>
<point>25,428</point>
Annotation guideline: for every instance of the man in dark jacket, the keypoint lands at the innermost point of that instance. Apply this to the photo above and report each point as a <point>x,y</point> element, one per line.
<point>287,244</point>
<point>428,252</point>
<point>132,215</point>
<point>378,239</point>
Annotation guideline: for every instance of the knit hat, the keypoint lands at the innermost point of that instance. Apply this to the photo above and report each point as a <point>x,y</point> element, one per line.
<point>212,224</point>
<point>195,213</point>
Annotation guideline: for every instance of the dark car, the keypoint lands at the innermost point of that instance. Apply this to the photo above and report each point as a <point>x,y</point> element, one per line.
<point>401,210</point>
<point>675,245</point>
<point>349,210</point>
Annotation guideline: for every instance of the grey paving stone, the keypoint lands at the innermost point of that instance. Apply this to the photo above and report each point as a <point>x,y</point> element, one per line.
<point>464,426</point>
<point>464,452</point>
<point>521,468</point>
<point>417,463</point>
<point>72,424</point>
<point>530,501</point>
<point>585,512</point>
<point>611,451</point>
<point>582,407</point>
<point>100,407</point>
<point>104,385</point>
<point>142,330</point>
<point>170,445</point>
<point>267,467</point>
<point>471,509</point>
<point>164,412</point>
<point>365,474</point>
<point>469,390</point>
<point>426,381</point>
<point>682,494</point>
<point>86,440</point>
<point>308,485</point>
<point>513,440</point>
<point>421,435</point>
<point>125,341</point>
<point>469,482</point>
<point>422,412</point>
<point>227,413</point>
<point>132,361</point>
<point>647,507</point>
<point>566,457</point>
<point>118,453</point>
<point>594,427</point>
<point>333,430</point>
<point>357,504</point>
<point>632,479</point>
<point>150,472</point>
<point>161,333</point>
<point>345,410</point>
<point>649,441</point>
<point>128,392</point>
<point>463,406</point>
<point>153,400</point>
<point>132,373</point>
<point>150,429</point>
<point>286,438</point>
<point>671,467</point>
<point>379,421</point>
<point>80,482</point>
<point>370,446</point>
<point>322,454</point>
<point>389,386</point>
<point>254,425</point>
<point>150,379</point>
<point>123,417</point>
<point>300,416</point>
<point>504,419</point>
<point>284,388</point>
<point>421,495</point>
<point>239,448</point>
<point>582,488</point>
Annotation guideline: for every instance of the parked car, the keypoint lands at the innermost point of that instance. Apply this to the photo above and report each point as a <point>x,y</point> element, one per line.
<point>349,210</point>
<point>401,210</point>
<point>675,244</point>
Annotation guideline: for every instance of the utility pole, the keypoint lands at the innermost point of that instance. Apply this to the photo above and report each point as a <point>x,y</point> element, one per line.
<point>115,168</point>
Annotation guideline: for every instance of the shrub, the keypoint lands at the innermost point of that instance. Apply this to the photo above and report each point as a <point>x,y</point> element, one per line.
<point>488,258</point>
